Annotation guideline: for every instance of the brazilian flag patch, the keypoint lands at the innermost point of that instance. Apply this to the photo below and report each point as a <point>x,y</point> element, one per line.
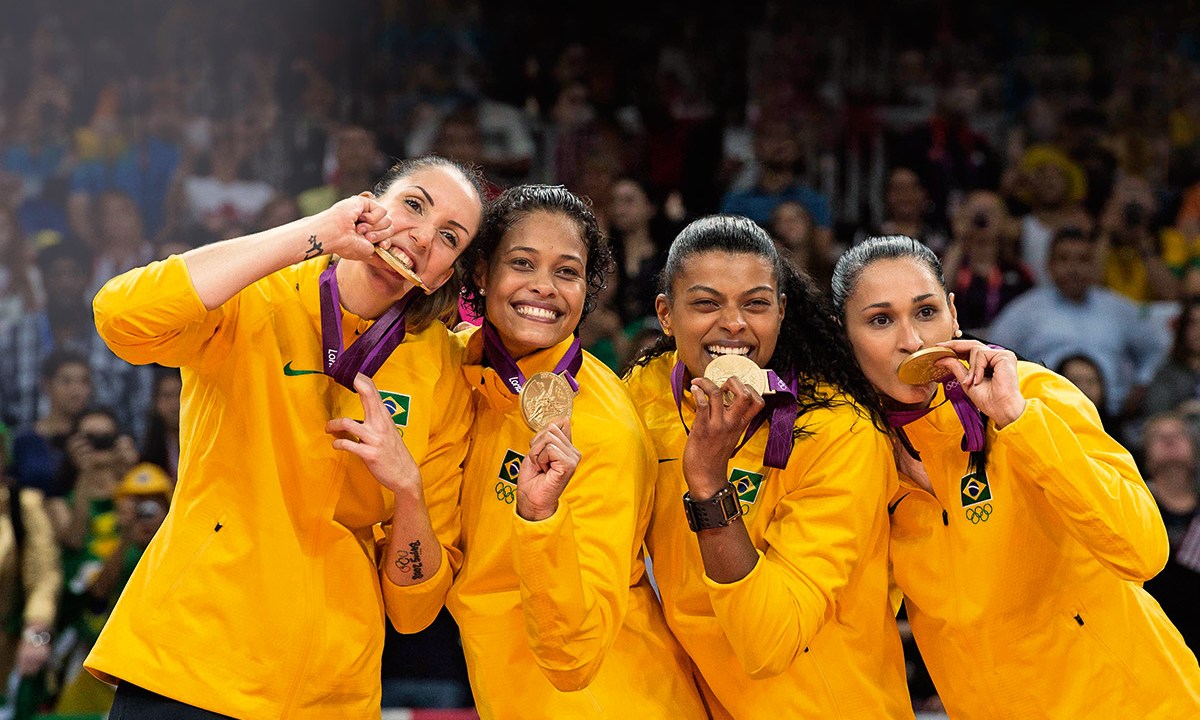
<point>975,489</point>
<point>746,484</point>
<point>510,466</point>
<point>397,406</point>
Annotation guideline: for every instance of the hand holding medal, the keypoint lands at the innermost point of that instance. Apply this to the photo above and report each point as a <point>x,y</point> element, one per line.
<point>546,470</point>
<point>989,379</point>
<point>545,397</point>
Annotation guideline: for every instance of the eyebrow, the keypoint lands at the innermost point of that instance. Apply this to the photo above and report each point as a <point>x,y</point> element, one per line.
<point>534,251</point>
<point>705,288</point>
<point>886,304</point>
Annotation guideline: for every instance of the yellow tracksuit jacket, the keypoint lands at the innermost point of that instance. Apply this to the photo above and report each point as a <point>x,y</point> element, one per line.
<point>260,595</point>
<point>1023,585</point>
<point>809,633</point>
<point>558,618</point>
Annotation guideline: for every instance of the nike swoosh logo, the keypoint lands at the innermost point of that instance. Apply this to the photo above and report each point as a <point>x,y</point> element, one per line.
<point>663,460</point>
<point>892,507</point>
<point>287,370</point>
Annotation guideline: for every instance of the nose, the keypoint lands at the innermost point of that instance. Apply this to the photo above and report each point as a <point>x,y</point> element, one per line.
<point>541,283</point>
<point>732,319</point>
<point>422,235</point>
<point>909,340</point>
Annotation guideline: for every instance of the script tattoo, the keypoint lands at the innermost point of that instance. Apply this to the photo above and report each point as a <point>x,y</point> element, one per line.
<point>409,560</point>
<point>314,248</point>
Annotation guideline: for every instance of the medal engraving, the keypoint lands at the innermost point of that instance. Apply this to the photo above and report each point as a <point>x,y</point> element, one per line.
<point>743,368</point>
<point>545,397</point>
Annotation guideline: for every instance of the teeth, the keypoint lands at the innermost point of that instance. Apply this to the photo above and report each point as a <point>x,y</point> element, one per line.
<point>403,258</point>
<point>724,350</point>
<point>536,312</point>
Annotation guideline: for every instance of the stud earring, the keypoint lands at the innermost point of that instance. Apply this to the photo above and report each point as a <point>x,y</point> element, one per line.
<point>958,333</point>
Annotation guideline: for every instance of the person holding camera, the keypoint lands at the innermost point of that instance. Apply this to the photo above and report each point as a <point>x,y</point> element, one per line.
<point>98,454</point>
<point>98,575</point>
<point>1134,265</point>
<point>981,264</point>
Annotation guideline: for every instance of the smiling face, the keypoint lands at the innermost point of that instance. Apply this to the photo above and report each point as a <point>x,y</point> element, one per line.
<point>896,308</point>
<point>436,213</point>
<point>535,283</point>
<point>723,303</point>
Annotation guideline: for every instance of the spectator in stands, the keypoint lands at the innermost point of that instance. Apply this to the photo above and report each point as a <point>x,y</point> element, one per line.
<point>120,243</point>
<point>1052,186</point>
<point>909,211</point>
<point>217,192</point>
<point>21,288</point>
<point>1176,383</point>
<point>161,446</point>
<point>38,450</point>
<point>1084,373</point>
<point>1134,264</point>
<point>982,268</point>
<point>30,580</point>
<point>777,153</point>
<point>96,576</point>
<point>64,322</point>
<point>1169,458</point>
<point>1075,315</point>
<point>358,163</point>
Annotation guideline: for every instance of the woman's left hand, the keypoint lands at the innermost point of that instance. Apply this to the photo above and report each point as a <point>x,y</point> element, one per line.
<point>546,470</point>
<point>376,441</point>
<point>990,381</point>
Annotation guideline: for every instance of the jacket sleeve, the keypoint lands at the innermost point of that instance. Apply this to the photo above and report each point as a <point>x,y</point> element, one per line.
<point>152,314</point>
<point>575,566</point>
<point>1089,480</point>
<point>41,567</point>
<point>820,530</point>
<point>413,608</point>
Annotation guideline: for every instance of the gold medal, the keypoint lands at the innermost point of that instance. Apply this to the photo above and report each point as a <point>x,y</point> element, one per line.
<point>921,367</point>
<point>546,396</point>
<point>741,367</point>
<point>396,265</point>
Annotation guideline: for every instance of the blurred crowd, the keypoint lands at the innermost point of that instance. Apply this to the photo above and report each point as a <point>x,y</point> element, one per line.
<point>1052,162</point>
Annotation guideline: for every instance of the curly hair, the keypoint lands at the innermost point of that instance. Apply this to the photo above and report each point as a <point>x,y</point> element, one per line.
<point>514,205</point>
<point>811,343</point>
<point>440,303</point>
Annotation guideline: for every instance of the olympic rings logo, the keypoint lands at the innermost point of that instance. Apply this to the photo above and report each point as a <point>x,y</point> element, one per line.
<point>506,492</point>
<point>979,513</point>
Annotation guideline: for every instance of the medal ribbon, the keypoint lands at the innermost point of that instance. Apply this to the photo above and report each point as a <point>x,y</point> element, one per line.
<point>501,360</point>
<point>366,354</point>
<point>781,410</point>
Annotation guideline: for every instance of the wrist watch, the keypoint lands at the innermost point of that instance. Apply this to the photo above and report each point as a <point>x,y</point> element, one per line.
<point>717,511</point>
<point>36,638</point>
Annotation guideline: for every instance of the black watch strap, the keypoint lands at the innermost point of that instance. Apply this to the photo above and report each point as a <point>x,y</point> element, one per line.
<point>717,511</point>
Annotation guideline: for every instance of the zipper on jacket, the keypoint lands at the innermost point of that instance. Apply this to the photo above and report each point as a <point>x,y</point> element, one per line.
<point>945,518</point>
<point>1079,619</point>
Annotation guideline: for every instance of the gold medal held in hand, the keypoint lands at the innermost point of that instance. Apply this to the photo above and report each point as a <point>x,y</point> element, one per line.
<point>743,368</point>
<point>546,396</point>
<point>921,367</point>
<point>398,266</point>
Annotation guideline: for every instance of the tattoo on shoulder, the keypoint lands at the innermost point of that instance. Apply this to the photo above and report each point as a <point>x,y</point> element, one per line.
<point>409,561</point>
<point>314,248</point>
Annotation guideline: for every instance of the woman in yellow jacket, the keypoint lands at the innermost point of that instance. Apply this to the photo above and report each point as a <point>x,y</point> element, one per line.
<point>260,595</point>
<point>558,616</point>
<point>1021,532</point>
<point>773,568</point>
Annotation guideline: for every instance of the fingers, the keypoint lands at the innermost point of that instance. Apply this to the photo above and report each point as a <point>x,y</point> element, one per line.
<point>373,409</point>
<point>345,425</point>
<point>743,402</point>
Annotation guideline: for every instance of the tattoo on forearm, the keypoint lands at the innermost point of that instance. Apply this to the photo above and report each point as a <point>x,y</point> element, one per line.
<point>409,561</point>
<point>314,248</point>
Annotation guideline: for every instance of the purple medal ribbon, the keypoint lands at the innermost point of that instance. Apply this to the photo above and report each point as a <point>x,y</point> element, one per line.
<point>781,409</point>
<point>968,416</point>
<point>501,360</point>
<point>366,354</point>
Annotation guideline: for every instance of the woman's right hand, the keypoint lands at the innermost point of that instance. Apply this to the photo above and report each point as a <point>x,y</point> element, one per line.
<point>355,226</point>
<point>376,441</point>
<point>716,432</point>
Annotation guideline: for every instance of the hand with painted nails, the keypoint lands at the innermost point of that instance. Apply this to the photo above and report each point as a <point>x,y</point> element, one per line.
<point>546,470</point>
<point>722,416</point>
<point>990,381</point>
